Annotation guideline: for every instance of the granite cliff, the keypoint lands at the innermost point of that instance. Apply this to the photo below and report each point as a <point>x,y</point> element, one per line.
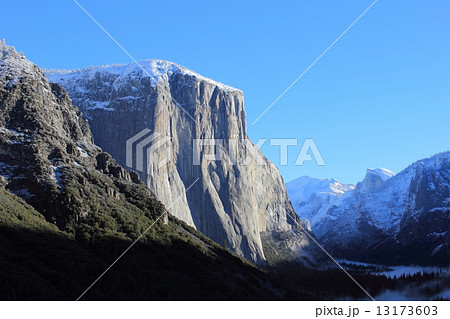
<point>68,210</point>
<point>240,199</point>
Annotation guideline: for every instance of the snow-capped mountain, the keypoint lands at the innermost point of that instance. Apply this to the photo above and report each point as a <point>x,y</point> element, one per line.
<point>311,197</point>
<point>389,218</point>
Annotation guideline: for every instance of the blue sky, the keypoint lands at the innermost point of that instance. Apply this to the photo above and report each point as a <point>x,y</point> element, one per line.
<point>379,98</point>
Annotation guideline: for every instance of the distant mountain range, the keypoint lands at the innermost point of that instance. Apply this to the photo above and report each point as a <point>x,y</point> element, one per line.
<point>386,218</point>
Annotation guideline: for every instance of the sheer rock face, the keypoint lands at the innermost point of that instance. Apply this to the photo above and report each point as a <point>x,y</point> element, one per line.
<point>236,199</point>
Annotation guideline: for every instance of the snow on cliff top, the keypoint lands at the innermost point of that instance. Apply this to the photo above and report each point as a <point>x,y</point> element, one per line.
<point>14,65</point>
<point>155,69</point>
